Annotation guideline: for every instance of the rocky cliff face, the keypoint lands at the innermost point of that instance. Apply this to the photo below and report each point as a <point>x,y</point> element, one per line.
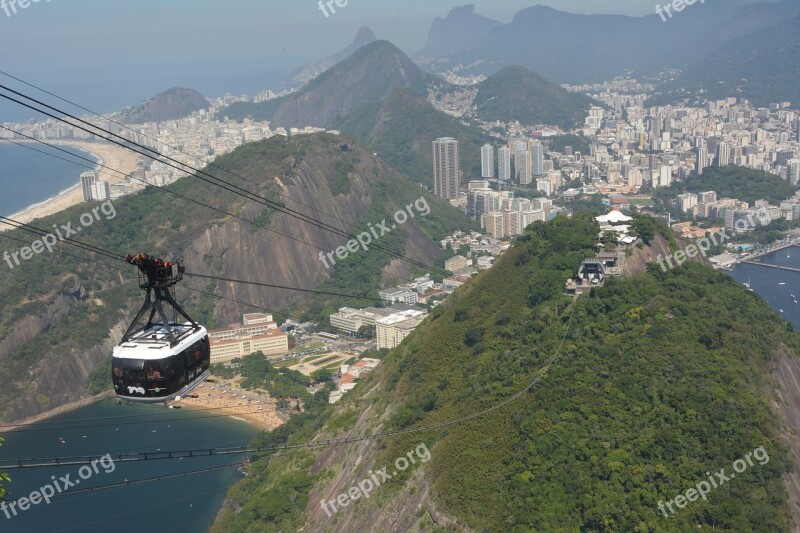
<point>60,376</point>
<point>235,250</point>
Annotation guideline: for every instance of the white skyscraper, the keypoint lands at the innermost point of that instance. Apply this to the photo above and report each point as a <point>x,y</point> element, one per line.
<point>88,179</point>
<point>487,161</point>
<point>100,191</point>
<point>446,168</point>
<point>702,159</point>
<point>537,153</point>
<point>723,154</point>
<point>523,164</point>
<point>793,171</point>
<point>665,177</point>
<point>504,163</point>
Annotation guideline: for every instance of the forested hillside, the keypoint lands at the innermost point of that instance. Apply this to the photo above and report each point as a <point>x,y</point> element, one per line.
<point>639,389</point>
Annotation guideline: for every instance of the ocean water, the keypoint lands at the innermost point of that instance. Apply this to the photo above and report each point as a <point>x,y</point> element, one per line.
<point>28,177</point>
<point>184,504</point>
<point>767,282</point>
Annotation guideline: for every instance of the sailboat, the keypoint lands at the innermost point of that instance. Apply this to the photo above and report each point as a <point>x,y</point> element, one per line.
<point>747,285</point>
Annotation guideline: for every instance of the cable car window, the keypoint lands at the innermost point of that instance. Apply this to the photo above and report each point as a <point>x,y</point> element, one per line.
<point>133,369</point>
<point>133,364</point>
<point>154,370</point>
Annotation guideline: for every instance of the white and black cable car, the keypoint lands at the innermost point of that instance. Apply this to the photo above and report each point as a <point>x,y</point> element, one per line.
<point>160,359</point>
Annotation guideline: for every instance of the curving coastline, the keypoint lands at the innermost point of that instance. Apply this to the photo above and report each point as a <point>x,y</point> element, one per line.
<point>108,154</point>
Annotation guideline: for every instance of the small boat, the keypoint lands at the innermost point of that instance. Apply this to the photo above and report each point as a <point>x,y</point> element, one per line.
<point>781,310</point>
<point>781,284</point>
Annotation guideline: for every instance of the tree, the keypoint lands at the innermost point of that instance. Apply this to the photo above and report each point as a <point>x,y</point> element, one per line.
<point>3,477</point>
<point>644,228</point>
<point>366,332</point>
<point>323,375</point>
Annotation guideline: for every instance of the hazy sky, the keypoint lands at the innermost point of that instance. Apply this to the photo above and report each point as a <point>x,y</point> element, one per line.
<point>115,53</point>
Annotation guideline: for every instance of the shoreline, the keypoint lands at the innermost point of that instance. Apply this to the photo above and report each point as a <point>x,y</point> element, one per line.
<point>260,415</point>
<point>107,154</point>
<point>264,420</point>
<point>60,410</point>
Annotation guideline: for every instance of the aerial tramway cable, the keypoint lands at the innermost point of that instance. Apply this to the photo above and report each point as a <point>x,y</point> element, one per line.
<point>177,149</point>
<point>200,174</point>
<point>40,232</point>
<point>315,245</point>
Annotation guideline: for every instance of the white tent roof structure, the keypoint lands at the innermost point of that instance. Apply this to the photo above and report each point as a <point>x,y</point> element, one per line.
<point>614,217</point>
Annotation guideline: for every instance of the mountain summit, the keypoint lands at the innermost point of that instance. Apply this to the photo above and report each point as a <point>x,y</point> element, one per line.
<point>461,28</point>
<point>370,75</point>
<point>170,105</point>
<point>306,73</point>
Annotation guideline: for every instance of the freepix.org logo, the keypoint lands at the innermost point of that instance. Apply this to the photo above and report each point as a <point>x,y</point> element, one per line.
<point>677,5</point>
<point>363,240</point>
<point>327,5</point>
<point>742,225</point>
<point>58,486</point>
<point>62,232</point>
<point>10,6</point>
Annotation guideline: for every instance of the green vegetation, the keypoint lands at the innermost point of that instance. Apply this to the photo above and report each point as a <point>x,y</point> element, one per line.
<point>100,378</point>
<point>341,181</point>
<point>654,381</point>
<point>265,215</point>
<point>732,182</point>
<point>516,93</point>
<point>3,478</point>
<point>579,143</point>
<point>269,501</point>
<point>281,383</point>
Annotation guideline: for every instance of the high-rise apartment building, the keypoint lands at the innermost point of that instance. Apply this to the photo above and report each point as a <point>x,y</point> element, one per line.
<point>537,156</point>
<point>523,164</point>
<point>487,161</point>
<point>702,159</point>
<point>504,163</point>
<point>446,168</point>
<point>88,179</point>
<point>723,154</point>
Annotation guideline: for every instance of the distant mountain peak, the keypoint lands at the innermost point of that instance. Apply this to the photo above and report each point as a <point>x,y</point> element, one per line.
<point>369,75</point>
<point>516,93</point>
<point>365,34</point>
<point>308,72</point>
<point>459,29</point>
<point>171,104</point>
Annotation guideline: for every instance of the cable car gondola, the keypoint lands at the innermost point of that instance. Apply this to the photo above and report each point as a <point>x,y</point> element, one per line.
<point>160,359</point>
